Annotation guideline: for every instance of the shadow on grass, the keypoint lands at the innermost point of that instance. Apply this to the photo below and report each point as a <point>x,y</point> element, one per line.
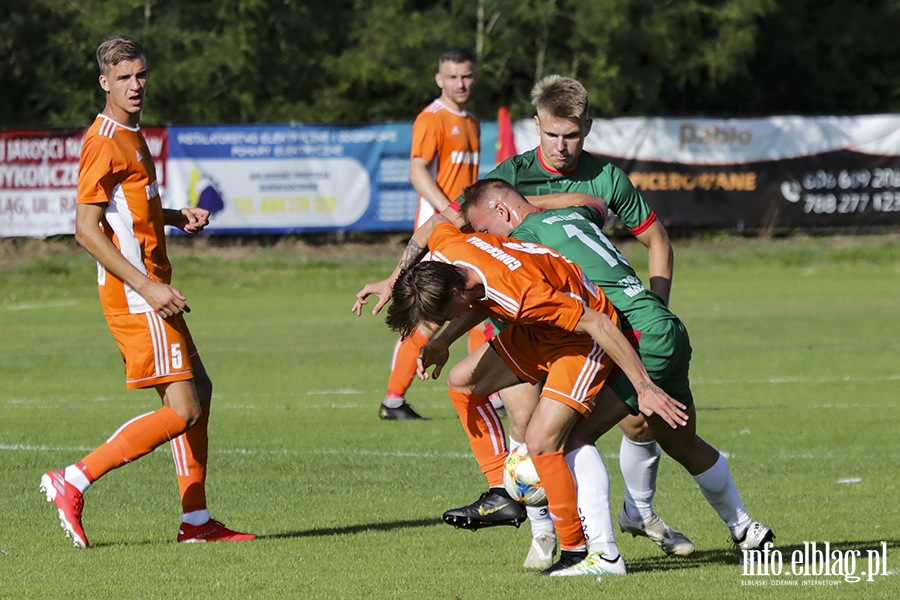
<point>353,529</point>
<point>349,530</point>
<point>731,556</point>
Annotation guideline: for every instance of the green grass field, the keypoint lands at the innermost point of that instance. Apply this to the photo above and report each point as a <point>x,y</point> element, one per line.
<point>795,372</point>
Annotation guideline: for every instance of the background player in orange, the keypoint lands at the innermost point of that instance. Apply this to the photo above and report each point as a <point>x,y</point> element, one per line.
<point>443,161</point>
<point>120,221</point>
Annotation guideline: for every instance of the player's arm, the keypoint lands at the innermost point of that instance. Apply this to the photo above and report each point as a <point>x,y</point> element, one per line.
<point>437,351</point>
<point>661,261</point>
<point>567,199</point>
<point>189,220</point>
<point>421,179</point>
<point>415,250</point>
<point>651,399</point>
<point>164,299</point>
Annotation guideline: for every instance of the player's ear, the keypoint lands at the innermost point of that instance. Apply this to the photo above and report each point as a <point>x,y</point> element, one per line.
<point>537,124</point>
<point>438,80</point>
<point>104,83</point>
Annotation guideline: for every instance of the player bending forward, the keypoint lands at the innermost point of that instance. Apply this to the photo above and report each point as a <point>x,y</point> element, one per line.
<point>495,207</point>
<point>563,331</point>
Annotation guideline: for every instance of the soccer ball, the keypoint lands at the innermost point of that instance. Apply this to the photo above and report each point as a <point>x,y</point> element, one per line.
<point>521,479</point>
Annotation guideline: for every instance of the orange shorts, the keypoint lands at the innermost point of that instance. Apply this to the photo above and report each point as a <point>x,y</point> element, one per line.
<point>573,367</point>
<point>155,350</point>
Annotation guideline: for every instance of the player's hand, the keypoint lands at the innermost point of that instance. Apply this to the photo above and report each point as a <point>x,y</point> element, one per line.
<point>433,353</point>
<point>654,401</point>
<point>195,220</point>
<point>165,300</point>
<point>381,289</point>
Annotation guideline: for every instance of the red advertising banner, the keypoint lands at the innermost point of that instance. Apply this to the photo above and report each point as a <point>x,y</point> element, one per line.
<point>39,179</point>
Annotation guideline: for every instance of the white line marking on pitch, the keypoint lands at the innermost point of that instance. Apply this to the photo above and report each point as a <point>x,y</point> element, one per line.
<point>776,380</point>
<point>249,452</point>
<point>39,305</point>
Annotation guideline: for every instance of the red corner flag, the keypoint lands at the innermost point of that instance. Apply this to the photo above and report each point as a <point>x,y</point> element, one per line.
<point>506,142</point>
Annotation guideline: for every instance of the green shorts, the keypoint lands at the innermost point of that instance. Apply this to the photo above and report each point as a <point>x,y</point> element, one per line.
<point>665,350</point>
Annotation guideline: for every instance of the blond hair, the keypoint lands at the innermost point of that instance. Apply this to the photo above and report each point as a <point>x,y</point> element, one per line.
<point>116,49</point>
<point>560,97</point>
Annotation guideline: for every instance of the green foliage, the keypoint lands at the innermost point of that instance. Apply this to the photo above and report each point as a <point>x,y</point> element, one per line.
<point>352,61</point>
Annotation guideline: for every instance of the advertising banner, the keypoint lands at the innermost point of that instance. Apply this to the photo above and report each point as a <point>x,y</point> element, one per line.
<point>39,179</point>
<point>735,174</point>
<point>294,178</point>
<point>777,172</point>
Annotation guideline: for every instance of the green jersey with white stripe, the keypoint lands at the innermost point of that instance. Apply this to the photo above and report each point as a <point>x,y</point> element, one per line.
<point>576,233</point>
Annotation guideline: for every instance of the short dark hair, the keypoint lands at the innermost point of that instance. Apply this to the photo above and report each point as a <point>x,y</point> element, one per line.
<point>455,54</point>
<point>421,294</point>
<point>477,194</point>
<point>116,49</point>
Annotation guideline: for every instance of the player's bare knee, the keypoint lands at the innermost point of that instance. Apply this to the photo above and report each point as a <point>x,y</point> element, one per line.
<point>189,413</point>
<point>460,380</point>
<point>540,442</point>
<point>181,397</point>
<point>636,429</point>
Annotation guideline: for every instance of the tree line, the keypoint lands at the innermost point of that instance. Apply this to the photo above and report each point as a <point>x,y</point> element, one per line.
<point>361,61</point>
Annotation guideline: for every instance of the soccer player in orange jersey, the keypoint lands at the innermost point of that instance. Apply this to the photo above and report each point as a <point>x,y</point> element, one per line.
<point>120,221</point>
<point>548,175</point>
<point>443,161</point>
<point>563,332</point>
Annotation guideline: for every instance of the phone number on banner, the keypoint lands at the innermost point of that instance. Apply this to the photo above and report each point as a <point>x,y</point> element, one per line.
<point>851,203</point>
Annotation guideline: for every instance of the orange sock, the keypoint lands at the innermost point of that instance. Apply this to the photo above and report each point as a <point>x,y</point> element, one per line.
<point>133,440</point>
<point>487,438</point>
<point>403,364</point>
<point>562,498</point>
<point>190,451</point>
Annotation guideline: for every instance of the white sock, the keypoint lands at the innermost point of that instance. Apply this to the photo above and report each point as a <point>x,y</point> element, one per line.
<point>639,463</point>
<point>539,516</point>
<point>74,476</point>
<point>720,491</point>
<point>393,401</point>
<point>592,483</point>
<point>196,517</point>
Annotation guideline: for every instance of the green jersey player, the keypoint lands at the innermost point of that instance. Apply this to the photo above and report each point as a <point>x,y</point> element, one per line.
<point>495,207</point>
<point>576,233</point>
<point>560,164</point>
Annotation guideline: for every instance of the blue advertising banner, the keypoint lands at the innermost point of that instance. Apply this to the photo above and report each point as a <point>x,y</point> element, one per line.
<point>294,178</point>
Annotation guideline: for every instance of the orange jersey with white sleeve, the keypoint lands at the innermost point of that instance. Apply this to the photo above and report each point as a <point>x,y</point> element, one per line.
<point>117,170</point>
<point>525,283</point>
<point>449,141</point>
